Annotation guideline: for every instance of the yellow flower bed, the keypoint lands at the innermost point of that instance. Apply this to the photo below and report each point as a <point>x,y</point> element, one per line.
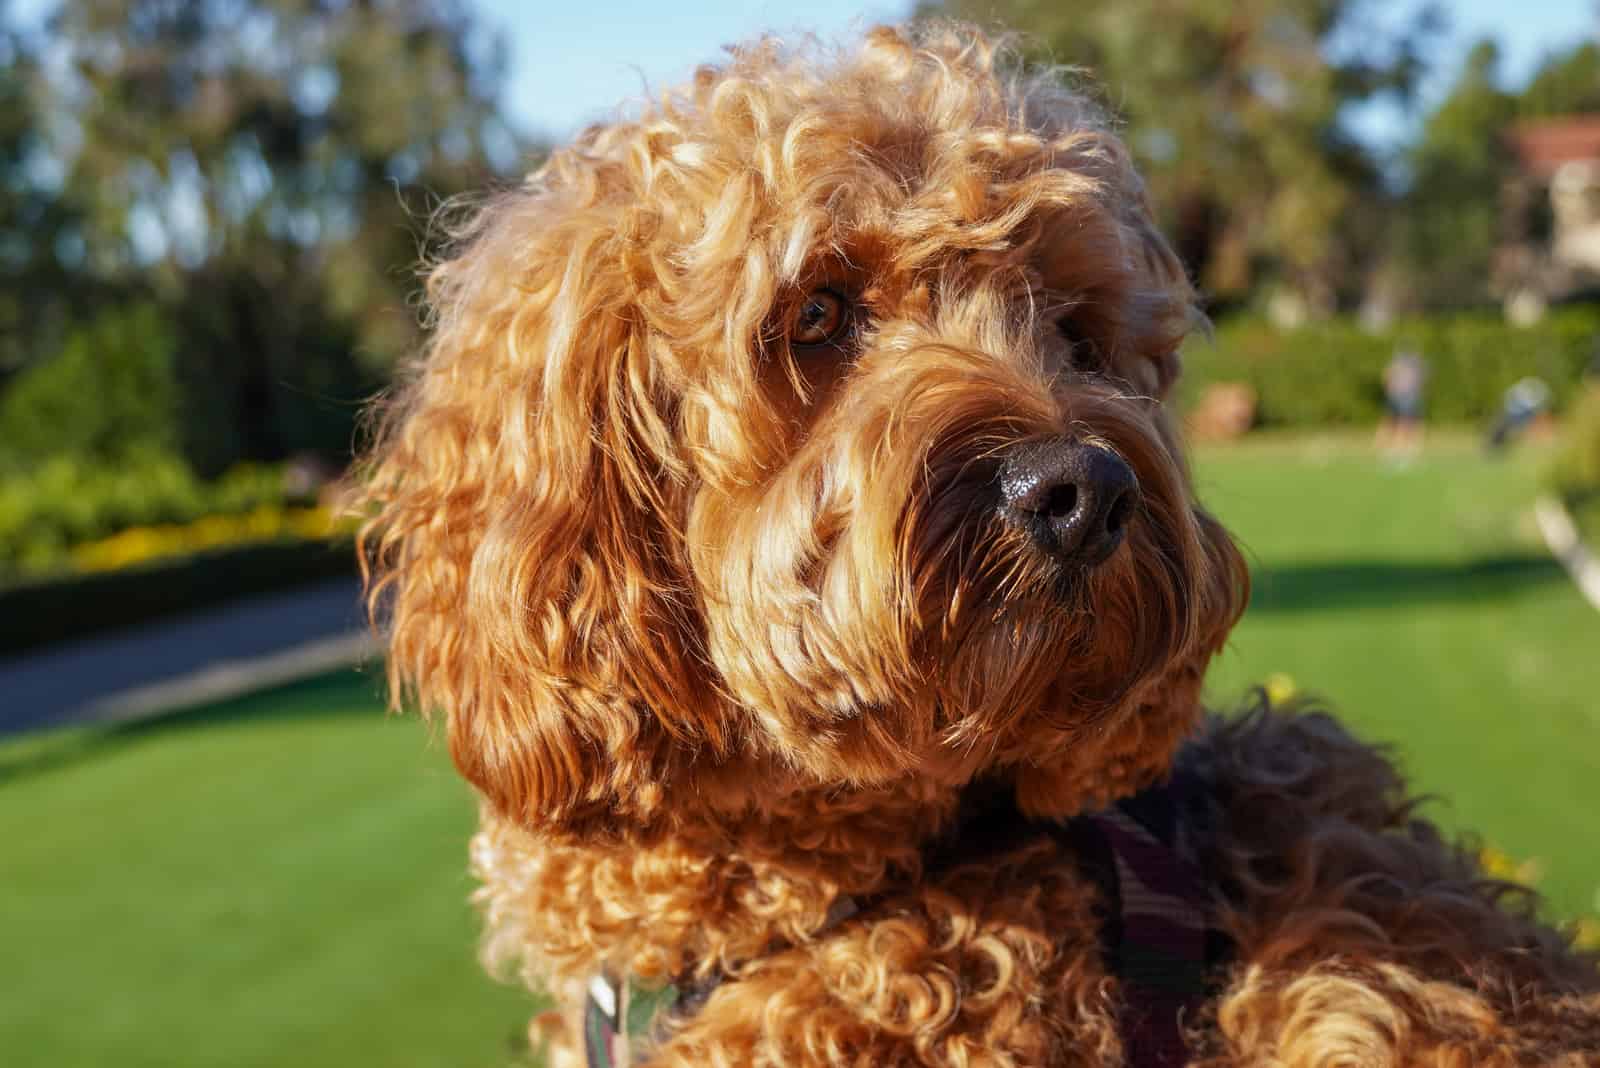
<point>138,545</point>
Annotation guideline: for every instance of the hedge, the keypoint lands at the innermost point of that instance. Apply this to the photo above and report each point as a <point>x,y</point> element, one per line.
<point>51,507</point>
<point>1331,373</point>
<point>39,612</point>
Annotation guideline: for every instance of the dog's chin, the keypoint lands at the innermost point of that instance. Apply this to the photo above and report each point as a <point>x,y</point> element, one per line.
<point>1067,660</point>
<point>1037,654</point>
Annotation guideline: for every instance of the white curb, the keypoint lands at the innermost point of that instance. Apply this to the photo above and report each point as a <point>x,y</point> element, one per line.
<point>1561,536</point>
<point>218,682</point>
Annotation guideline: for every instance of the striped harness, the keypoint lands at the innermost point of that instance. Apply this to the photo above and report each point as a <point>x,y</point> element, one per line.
<point>1142,854</point>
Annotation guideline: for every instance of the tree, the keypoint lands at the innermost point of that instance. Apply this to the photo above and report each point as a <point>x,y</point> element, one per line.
<point>34,296</point>
<point>1451,218</point>
<point>1567,83</point>
<point>1235,110</point>
<point>107,395</point>
<point>264,168</point>
<point>16,251</point>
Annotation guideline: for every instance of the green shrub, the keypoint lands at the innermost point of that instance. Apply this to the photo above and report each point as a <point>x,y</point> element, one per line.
<point>1576,473</point>
<point>1331,373</point>
<point>111,392</point>
<point>67,500</point>
<point>1578,467</point>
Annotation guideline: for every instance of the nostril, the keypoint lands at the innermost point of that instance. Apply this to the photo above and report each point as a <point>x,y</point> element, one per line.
<point>1060,502</point>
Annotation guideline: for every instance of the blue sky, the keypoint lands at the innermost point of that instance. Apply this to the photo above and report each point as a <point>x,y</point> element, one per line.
<point>573,62</point>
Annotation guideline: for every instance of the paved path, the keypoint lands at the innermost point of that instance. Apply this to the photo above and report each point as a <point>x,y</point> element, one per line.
<point>1561,535</point>
<point>203,656</point>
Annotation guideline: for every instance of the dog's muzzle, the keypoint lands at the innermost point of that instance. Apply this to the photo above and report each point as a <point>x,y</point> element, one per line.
<point>1073,499</point>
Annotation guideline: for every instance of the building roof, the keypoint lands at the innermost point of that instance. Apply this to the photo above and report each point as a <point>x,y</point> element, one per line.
<point>1543,146</point>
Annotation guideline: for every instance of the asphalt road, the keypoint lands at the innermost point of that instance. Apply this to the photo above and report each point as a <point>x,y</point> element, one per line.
<point>207,655</point>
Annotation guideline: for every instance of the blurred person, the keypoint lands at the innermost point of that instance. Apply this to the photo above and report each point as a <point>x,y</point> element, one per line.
<point>1526,398</point>
<point>1404,379</point>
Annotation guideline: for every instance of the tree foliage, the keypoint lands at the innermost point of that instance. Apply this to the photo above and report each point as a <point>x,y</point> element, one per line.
<point>1568,83</point>
<point>264,169</point>
<point>109,394</point>
<point>1236,111</point>
<point>1456,215</point>
<point>1451,216</point>
<point>34,290</point>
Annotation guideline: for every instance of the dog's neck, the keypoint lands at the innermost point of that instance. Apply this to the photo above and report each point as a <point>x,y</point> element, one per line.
<point>728,872</point>
<point>701,892</point>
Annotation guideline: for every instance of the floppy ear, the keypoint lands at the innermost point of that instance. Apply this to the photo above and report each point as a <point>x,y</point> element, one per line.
<point>1161,311</point>
<point>1150,359</point>
<point>1130,289</point>
<point>524,548</point>
<point>1162,307</point>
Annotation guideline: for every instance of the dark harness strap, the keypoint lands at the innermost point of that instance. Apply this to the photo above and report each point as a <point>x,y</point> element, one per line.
<point>1142,852</point>
<point>1163,950</point>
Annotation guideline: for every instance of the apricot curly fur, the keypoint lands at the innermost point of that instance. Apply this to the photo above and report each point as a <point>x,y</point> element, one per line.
<point>972,970</point>
<point>722,626</point>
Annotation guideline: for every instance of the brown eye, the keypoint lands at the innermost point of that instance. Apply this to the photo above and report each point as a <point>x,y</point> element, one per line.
<point>820,319</point>
<point>1084,354</point>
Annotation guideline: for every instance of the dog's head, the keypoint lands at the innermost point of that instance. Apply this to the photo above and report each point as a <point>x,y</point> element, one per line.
<point>805,431</point>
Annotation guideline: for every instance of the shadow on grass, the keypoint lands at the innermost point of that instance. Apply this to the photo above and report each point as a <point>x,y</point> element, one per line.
<point>1397,584</point>
<point>1311,587</point>
<point>338,694</point>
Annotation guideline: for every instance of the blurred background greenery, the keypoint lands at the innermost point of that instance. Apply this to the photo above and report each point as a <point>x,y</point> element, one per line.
<point>211,212</point>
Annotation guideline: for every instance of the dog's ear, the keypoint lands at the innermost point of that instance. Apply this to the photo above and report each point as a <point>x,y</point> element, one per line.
<point>1131,293</point>
<point>525,493</point>
<point>1161,309</point>
<point>1149,305</point>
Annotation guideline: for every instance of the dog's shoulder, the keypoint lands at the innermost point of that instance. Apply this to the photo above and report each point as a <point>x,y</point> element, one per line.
<point>1294,761</point>
<point>1321,850</point>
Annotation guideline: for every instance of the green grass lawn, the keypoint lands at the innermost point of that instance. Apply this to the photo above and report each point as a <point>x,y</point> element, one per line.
<point>280,880</point>
<point>1421,604</point>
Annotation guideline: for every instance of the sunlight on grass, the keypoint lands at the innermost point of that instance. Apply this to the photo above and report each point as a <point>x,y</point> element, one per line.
<point>1421,604</point>
<point>279,880</point>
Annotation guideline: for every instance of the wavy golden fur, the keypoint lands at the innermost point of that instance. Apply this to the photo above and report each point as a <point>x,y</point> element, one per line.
<point>723,624</point>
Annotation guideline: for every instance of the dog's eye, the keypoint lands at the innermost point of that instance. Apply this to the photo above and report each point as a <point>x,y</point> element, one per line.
<point>1083,353</point>
<point>820,319</point>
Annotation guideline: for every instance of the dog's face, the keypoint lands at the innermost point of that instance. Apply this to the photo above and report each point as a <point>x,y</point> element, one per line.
<point>807,431</point>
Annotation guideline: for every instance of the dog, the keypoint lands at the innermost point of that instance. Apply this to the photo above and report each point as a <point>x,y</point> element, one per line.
<point>786,516</point>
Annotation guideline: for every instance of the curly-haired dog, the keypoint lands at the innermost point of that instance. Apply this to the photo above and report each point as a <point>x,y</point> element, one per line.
<point>787,519</point>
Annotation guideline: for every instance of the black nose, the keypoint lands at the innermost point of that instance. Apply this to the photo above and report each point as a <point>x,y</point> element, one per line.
<point>1074,500</point>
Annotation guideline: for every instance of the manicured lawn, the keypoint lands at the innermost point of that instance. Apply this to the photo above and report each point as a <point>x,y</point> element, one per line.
<point>281,880</point>
<point>1422,605</point>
